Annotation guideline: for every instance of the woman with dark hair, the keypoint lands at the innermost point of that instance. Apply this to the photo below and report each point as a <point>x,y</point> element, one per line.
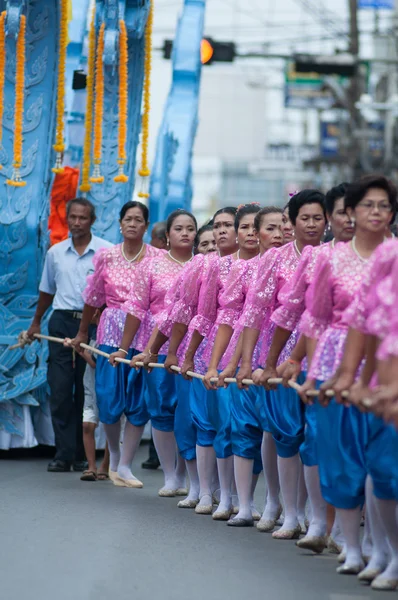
<point>174,323</point>
<point>283,415</point>
<point>119,391</point>
<point>286,318</point>
<point>155,277</point>
<point>216,416</point>
<point>373,334</point>
<point>288,229</point>
<point>341,432</point>
<point>246,435</point>
<point>205,241</point>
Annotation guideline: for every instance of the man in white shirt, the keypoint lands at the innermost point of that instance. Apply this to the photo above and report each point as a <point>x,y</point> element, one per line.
<point>66,268</point>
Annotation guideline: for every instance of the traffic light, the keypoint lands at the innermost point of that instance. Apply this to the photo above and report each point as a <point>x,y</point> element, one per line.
<point>210,51</point>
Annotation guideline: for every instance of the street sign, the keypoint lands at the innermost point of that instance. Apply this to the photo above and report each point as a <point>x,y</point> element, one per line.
<point>305,90</point>
<point>377,4</point>
<point>373,136</point>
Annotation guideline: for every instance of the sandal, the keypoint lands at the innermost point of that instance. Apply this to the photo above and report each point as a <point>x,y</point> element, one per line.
<point>102,476</point>
<point>88,476</point>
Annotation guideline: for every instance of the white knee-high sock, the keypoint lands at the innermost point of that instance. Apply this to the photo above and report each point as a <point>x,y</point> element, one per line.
<point>112,433</point>
<point>289,477</point>
<point>388,512</point>
<point>225,472</point>
<point>318,505</point>
<point>380,550</point>
<point>165,445</point>
<point>192,470</point>
<point>271,475</point>
<point>243,470</point>
<point>367,542</point>
<point>180,471</point>
<point>206,463</point>
<point>350,521</point>
<point>336,533</point>
<point>131,439</point>
<point>302,497</point>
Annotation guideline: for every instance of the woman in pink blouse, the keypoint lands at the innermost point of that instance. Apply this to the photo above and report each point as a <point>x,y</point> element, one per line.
<point>372,318</point>
<point>217,415</point>
<point>246,437</point>
<point>118,390</point>
<point>155,277</point>
<point>193,431</point>
<point>286,318</point>
<point>341,431</point>
<point>283,416</point>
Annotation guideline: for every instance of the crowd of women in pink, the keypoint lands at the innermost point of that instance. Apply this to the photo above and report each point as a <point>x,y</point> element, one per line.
<point>305,296</point>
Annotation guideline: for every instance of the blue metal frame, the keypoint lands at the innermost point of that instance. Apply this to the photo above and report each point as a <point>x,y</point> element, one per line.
<point>171,181</point>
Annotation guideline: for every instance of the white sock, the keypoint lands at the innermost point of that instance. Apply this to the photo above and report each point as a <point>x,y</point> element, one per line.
<point>271,475</point>
<point>289,476</point>
<point>112,433</point>
<point>350,521</point>
<point>131,440</point>
<point>367,542</point>
<point>318,505</point>
<point>225,472</point>
<point>193,480</point>
<point>380,549</point>
<point>388,512</point>
<point>255,513</point>
<point>180,471</point>
<point>206,463</point>
<point>243,470</point>
<point>165,445</point>
<point>302,497</point>
<point>336,533</point>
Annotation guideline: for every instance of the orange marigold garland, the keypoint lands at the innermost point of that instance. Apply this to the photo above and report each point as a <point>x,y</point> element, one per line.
<point>59,145</point>
<point>123,97</point>
<point>85,184</point>
<point>99,108</point>
<point>144,171</point>
<point>16,179</point>
<point>2,70</point>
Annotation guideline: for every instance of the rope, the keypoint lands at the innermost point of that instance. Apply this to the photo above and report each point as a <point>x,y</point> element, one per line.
<point>23,340</point>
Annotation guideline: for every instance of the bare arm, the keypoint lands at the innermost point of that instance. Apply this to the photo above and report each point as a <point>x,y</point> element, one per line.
<point>279,339</point>
<point>43,304</point>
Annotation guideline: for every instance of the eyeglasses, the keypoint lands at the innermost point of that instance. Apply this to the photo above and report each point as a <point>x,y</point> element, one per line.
<point>371,204</point>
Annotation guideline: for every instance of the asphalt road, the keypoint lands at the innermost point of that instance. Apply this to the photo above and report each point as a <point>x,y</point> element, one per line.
<point>62,539</point>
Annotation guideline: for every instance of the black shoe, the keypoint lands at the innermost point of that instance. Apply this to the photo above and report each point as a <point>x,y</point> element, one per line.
<point>151,463</point>
<point>80,465</point>
<point>59,466</point>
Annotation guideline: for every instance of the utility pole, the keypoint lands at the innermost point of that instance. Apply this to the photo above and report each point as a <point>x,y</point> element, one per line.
<point>354,143</point>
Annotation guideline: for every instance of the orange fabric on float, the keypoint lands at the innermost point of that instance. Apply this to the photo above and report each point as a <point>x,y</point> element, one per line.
<point>64,189</point>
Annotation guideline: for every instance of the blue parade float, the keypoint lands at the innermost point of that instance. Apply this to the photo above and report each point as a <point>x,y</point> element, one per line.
<point>31,127</point>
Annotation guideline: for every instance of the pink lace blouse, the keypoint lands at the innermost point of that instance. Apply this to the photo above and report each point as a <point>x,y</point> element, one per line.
<point>275,269</point>
<point>110,285</point>
<point>337,279</point>
<point>292,295</point>
<point>155,276</point>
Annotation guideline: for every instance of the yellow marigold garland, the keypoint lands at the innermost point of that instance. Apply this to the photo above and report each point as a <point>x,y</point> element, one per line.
<point>85,184</point>
<point>16,180</point>
<point>99,108</point>
<point>2,70</point>
<point>59,145</point>
<point>123,98</point>
<point>144,171</point>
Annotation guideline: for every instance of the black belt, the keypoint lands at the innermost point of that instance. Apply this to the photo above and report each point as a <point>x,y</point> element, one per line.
<point>75,314</point>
